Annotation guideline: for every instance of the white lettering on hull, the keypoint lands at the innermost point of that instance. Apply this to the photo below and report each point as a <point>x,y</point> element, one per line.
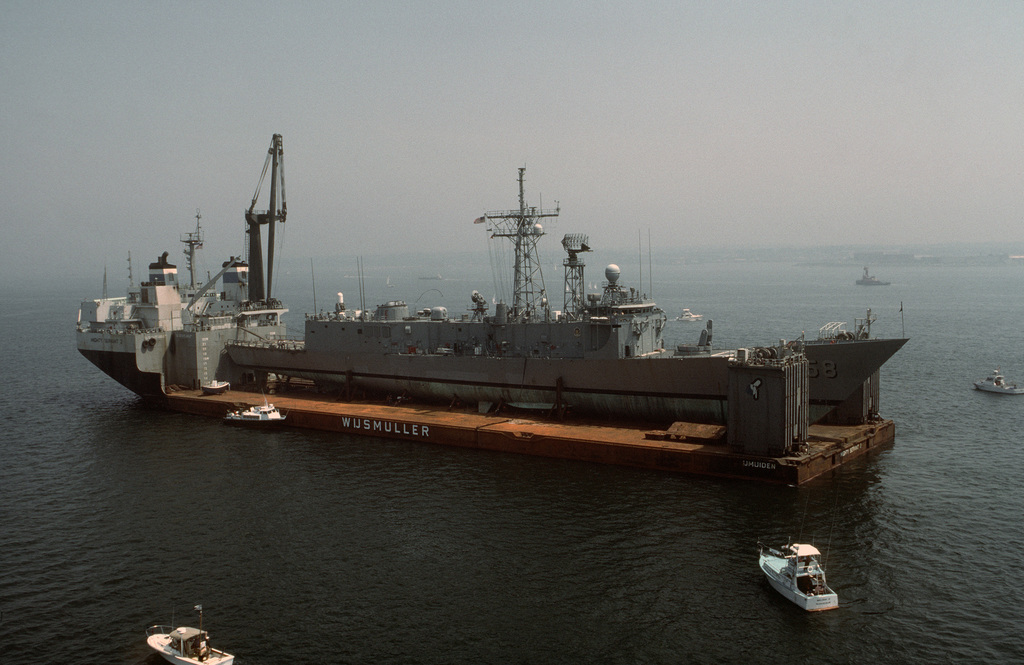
<point>385,426</point>
<point>851,450</point>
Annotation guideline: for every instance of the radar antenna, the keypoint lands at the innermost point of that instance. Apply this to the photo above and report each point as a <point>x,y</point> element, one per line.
<point>256,218</point>
<point>574,244</point>
<point>529,298</point>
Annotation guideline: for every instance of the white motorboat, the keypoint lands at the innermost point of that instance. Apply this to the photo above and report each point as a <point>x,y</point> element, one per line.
<point>687,315</point>
<point>186,645</point>
<point>215,387</point>
<point>795,572</point>
<point>267,415</point>
<point>998,384</point>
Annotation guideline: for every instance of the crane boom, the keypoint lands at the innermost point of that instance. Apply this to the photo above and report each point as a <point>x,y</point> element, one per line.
<point>276,212</point>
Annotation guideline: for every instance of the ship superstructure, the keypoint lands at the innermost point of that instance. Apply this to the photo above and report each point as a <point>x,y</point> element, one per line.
<point>168,332</point>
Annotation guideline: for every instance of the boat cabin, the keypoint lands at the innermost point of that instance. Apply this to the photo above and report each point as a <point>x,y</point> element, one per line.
<point>803,566</point>
<point>190,642</point>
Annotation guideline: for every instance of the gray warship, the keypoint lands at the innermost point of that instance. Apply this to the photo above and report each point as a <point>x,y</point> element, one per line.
<point>601,354</point>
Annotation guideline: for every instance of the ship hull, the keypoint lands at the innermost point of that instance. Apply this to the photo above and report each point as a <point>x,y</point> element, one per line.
<point>652,389</point>
<point>839,371</point>
<point>625,388</point>
<point>149,363</point>
<point>130,359</point>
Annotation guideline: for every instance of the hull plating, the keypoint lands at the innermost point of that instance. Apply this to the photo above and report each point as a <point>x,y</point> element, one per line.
<point>122,368</point>
<point>694,388</point>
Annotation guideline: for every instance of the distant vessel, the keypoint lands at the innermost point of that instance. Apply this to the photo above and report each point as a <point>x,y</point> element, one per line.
<point>257,416</point>
<point>996,383</point>
<point>870,280</point>
<point>687,315</point>
<point>185,645</point>
<point>795,572</point>
<point>438,276</point>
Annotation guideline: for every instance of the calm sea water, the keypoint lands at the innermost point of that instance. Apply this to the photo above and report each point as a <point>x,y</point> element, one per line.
<point>314,548</point>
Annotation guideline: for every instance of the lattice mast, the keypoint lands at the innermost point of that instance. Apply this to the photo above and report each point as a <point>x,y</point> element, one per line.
<point>529,298</point>
<point>574,245</point>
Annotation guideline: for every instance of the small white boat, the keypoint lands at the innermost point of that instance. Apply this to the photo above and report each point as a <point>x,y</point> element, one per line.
<point>256,416</point>
<point>215,387</point>
<point>795,572</point>
<point>997,384</point>
<point>687,315</point>
<point>186,645</point>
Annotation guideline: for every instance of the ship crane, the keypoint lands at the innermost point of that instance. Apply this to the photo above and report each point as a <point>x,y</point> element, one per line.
<point>275,212</point>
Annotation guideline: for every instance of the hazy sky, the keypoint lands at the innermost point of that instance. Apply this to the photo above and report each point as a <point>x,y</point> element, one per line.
<point>704,123</point>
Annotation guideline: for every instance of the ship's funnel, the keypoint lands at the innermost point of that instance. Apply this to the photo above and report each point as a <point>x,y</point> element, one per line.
<point>162,271</point>
<point>236,282</point>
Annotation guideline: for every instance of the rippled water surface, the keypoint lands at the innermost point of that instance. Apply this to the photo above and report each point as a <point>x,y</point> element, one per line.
<point>313,547</point>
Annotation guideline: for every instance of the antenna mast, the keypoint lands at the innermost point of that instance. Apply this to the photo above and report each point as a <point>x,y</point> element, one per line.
<point>193,241</point>
<point>522,228</point>
<point>574,244</point>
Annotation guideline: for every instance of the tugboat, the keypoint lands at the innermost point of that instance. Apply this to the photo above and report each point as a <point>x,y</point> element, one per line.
<point>186,645</point>
<point>795,572</point>
<point>870,280</point>
<point>997,384</point>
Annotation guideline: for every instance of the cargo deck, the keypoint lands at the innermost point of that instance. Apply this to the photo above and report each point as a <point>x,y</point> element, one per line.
<point>684,447</point>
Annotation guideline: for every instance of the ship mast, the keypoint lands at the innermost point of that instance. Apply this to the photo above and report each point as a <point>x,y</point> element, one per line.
<point>256,218</point>
<point>193,241</point>
<point>574,244</point>
<point>529,298</point>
